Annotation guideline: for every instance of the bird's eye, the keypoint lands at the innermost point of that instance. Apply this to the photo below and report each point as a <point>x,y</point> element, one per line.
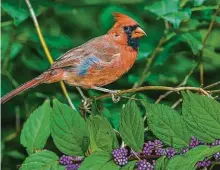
<point>126,28</point>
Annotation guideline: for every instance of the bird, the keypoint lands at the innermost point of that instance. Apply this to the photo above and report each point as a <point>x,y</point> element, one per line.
<point>96,63</point>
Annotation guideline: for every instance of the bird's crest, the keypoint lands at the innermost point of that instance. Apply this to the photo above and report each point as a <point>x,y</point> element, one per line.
<point>123,19</point>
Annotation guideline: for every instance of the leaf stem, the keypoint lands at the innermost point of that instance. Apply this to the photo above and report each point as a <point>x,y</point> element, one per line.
<point>46,50</point>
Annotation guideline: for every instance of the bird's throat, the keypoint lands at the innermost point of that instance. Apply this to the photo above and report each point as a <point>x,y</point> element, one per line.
<point>133,42</point>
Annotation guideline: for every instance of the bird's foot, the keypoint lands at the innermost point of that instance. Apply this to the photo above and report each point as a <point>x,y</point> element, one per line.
<point>115,98</point>
<point>86,105</point>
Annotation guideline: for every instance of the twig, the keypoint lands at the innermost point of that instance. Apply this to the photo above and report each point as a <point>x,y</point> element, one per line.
<point>135,155</point>
<point>213,91</point>
<point>149,62</point>
<point>212,85</point>
<point>162,88</point>
<point>144,157</point>
<point>46,50</point>
<point>176,103</point>
<point>183,83</point>
<point>201,67</point>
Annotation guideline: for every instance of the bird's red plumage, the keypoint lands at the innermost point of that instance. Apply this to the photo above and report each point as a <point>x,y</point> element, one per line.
<point>98,62</point>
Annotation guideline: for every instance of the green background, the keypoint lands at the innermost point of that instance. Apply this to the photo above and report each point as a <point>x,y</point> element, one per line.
<point>66,24</point>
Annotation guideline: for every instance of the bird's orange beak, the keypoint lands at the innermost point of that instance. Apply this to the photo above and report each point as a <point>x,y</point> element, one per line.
<point>138,32</point>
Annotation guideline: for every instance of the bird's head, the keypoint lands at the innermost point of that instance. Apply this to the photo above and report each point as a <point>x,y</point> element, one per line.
<point>126,30</point>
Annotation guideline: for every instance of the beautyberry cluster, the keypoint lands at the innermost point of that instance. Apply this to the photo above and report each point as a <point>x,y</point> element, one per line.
<point>144,165</point>
<point>194,142</point>
<point>170,152</point>
<point>155,146</point>
<point>204,163</point>
<point>72,166</point>
<point>68,161</point>
<point>217,155</point>
<point>120,156</point>
<point>148,148</point>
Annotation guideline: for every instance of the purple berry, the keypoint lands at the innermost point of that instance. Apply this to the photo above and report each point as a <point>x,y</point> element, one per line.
<point>148,148</point>
<point>217,156</point>
<point>194,142</point>
<point>78,158</point>
<point>66,160</point>
<point>204,163</point>
<point>144,165</point>
<point>159,151</point>
<point>216,143</point>
<point>170,152</point>
<point>72,167</point>
<point>120,156</point>
<point>158,144</point>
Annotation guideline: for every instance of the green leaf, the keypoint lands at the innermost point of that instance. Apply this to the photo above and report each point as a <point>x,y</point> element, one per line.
<point>161,163</point>
<point>167,125</point>
<point>6,85</point>
<point>131,126</point>
<point>102,136</point>
<point>177,17</point>
<point>193,40</point>
<point>189,160</point>
<point>69,130</point>
<point>43,160</point>
<point>166,53</point>
<point>129,166</point>
<point>15,49</point>
<point>15,154</point>
<point>163,7</point>
<point>36,130</point>
<point>34,62</point>
<point>99,161</point>
<point>198,2</point>
<point>205,113</point>
<point>16,9</point>
<point>55,41</point>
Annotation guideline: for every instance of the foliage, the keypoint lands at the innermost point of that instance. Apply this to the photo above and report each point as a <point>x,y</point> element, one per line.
<point>178,41</point>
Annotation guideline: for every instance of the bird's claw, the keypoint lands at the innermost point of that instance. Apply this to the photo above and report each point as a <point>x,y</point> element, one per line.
<point>86,105</point>
<point>115,98</point>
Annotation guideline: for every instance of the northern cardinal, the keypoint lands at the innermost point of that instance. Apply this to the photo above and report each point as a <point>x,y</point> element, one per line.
<point>95,63</point>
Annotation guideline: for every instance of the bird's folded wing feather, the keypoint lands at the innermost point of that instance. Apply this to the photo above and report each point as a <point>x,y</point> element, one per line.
<point>97,50</point>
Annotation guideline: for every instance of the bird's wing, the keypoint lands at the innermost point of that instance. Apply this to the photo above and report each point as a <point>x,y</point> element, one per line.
<point>94,51</point>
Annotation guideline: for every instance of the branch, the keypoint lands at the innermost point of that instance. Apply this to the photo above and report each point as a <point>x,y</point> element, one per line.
<point>162,88</point>
<point>212,85</point>
<point>144,157</point>
<point>204,43</point>
<point>214,91</point>
<point>176,103</point>
<point>46,50</point>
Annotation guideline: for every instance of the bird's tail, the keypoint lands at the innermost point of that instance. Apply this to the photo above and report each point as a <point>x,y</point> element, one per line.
<point>23,87</point>
<point>49,76</point>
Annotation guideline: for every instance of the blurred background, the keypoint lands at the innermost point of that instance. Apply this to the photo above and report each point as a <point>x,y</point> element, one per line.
<point>170,53</point>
